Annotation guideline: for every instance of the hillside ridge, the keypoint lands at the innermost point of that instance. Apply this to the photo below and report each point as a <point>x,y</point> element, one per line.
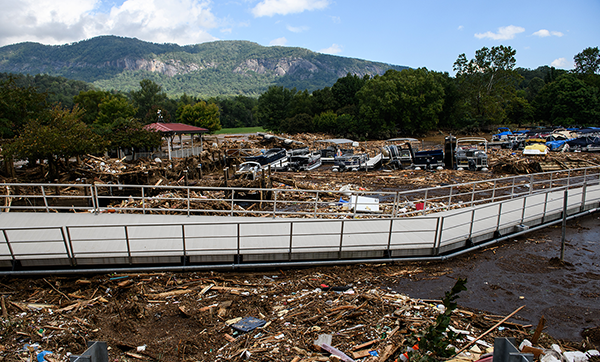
<point>226,67</point>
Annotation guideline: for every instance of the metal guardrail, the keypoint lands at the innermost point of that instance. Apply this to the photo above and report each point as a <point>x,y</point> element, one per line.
<point>198,200</point>
<point>302,241</point>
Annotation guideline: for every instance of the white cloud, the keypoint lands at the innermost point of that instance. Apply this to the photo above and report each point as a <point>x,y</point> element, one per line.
<point>59,22</point>
<point>504,33</point>
<point>279,41</point>
<point>297,29</point>
<point>542,33</point>
<point>333,49</point>
<point>336,19</point>
<point>560,63</point>
<point>460,27</point>
<point>284,7</point>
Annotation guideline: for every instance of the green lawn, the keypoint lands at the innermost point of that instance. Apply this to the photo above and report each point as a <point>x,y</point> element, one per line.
<point>240,130</point>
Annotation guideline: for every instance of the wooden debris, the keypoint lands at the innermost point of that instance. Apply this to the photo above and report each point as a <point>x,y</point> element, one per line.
<point>538,330</point>
<point>336,352</point>
<point>4,311</point>
<point>321,340</point>
<point>489,330</point>
<point>364,345</point>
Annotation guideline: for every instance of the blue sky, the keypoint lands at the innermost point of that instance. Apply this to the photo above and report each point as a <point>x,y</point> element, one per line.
<point>426,33</point>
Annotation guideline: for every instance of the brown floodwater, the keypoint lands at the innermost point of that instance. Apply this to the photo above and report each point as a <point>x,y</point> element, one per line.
<point>527,271</point>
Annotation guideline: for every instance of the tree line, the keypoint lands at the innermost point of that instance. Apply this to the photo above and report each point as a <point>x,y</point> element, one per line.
<point>36,125</point>
<point>52,118</point>
<point>487,90</point>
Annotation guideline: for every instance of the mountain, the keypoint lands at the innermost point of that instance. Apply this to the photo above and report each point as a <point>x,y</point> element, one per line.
<point>205,70</point>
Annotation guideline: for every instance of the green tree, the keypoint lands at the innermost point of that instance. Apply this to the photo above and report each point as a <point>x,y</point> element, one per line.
<point>326,122</point>
<point>520,111</point>
<point>587,66</point>
<point>346,88</point>
<point>568,101</point>
<point>237,111</point>
<point>130,133</point>
<point>274,106</point>
<point>63,137</point>
<point>588,61</point>
<point>299,123</point>
<point>148,98</point>
<point>301,104</point>
<point>421,100</point>
<point>379,100</point>
<point>201,114</point>
<point>534,87</point>
<point>90,101</point>
<point>451,113</point>
<point>18,106</point>
<point>487,82</point>
<point>323,101</point>
<point>410,101</point>
<point>112,108</point>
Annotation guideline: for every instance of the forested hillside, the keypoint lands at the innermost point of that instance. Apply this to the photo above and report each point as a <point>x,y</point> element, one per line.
<point>205,70</point>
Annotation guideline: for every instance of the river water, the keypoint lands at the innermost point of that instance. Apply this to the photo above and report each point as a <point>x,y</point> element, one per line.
<point>527,271</point>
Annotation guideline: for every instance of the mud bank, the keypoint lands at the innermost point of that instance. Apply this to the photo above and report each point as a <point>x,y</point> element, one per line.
<point>527,271</point>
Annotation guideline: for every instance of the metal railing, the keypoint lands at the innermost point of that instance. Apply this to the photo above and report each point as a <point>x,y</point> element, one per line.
<point>242,241</point>
<point>286,203</point>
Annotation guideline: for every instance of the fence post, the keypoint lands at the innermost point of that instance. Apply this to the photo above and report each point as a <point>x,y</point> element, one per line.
<point>395,205</point>
<point>10,249</point>
<point>524,206</point>
<point>530,184</point>
<point>494,191</point>
<point>545,209</point>
<point>564,225</point>
<point>389,252</point>
<point>96,197</point>
<point>184,246</point>
<point>128,245</point>
<point>583,194</point>
<point>316,203</point>
<point>499,215</point>
<point>274,204</point>
<point>45,200</point>
<point>238,257</point>
<point>291,237</point>
<point>439,229</point>
<point>71,245</point>
<point>341,240</point>
<point>425,202</point>
<point>512,189</point>
<point>232,198</point>
<point>472,220</point>
<point>69,252</point>
<point>143,201</point>
<point>450,197</point>
<point>188,201</point>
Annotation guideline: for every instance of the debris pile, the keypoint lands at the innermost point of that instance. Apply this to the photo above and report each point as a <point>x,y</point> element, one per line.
<point>330,314</point>
<point>509,162</point>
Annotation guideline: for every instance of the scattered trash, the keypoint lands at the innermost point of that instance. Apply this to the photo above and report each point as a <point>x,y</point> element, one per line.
<point>41,356</point>
<point>248,324</point>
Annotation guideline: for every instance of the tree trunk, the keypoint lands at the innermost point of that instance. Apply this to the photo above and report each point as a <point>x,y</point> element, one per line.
<point>9,167</point>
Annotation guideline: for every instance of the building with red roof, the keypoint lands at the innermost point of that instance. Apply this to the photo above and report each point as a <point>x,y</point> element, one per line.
<point>170,130</point>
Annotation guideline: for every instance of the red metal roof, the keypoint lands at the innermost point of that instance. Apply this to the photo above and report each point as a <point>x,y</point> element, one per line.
<point>174,128</point>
